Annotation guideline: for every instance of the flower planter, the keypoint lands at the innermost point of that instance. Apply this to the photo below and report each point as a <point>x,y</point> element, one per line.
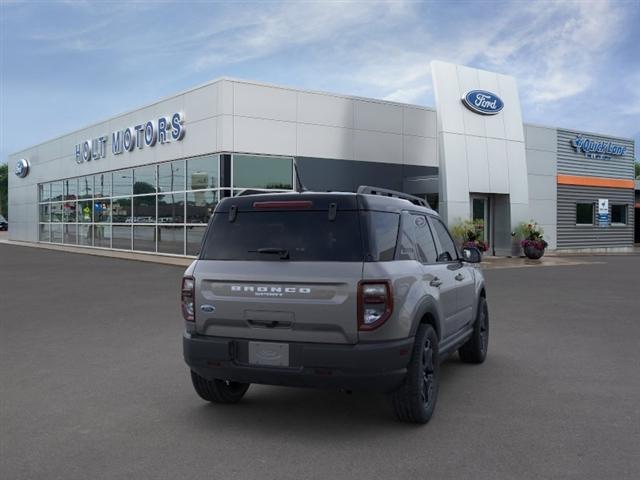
<point>533,253</point>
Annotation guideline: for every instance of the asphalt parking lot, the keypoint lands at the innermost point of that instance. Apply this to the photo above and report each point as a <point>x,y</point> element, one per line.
<point>92,385</point>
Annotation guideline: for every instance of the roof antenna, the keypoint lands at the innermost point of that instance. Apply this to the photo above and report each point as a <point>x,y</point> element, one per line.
<point>299,185</point>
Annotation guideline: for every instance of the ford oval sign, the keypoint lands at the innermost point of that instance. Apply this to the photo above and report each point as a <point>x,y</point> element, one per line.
<point>483,102</point>
<point>22,168</point>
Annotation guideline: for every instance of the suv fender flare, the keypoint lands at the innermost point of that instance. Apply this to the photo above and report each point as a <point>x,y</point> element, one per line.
<point>428,307</point>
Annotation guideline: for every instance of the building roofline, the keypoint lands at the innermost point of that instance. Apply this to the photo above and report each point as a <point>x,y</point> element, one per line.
<point>218,80</point>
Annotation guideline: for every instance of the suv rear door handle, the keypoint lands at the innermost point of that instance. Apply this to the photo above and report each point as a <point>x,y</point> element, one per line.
<point>459,277</point>
<point>436,282</point>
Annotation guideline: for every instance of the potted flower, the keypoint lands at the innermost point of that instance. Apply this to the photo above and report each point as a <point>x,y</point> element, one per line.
<point>533,242</point>
<point>469,234</point>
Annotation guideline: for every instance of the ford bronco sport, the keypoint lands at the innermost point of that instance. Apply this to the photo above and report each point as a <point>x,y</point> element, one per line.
<point>354,291</point>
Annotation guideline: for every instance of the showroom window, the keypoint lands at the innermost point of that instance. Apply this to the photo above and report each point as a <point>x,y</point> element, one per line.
<point>618,214</point>
<point>585,213</point>
<point>161,208</point>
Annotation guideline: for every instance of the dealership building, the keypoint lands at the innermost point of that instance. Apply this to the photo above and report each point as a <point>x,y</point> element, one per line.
<point>148,180</point>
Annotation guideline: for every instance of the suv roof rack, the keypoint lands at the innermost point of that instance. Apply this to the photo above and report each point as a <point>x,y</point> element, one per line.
<point>368,190</point>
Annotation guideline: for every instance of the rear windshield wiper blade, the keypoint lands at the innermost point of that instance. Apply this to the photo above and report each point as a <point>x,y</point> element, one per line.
<point>283,252</point>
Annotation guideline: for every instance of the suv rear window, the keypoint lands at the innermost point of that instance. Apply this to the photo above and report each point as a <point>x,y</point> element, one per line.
<point>306,236</point>
<point>303,236</point>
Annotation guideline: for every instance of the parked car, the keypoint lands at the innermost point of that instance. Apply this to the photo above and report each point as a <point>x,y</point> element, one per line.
<point>4,224</point>
<point>353,291</point>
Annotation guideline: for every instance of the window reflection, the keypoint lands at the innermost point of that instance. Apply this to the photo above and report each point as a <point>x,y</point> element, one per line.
<point>71,189</point>
<point>171,240</point>
<point>85,187</point>
<point>200,206</point>
<point>171,208</point>
<point>194,239</point>
<point>202,172</point>
<point>144,209</point>
<point>56,212</point>
<point>122,183</point>
<point>144,180</point>
<point>144,238</point>
<point>56,233</point>
<point>121,210</point>
<point>121,237</point>
<point>85,234</point>
<point>102,236</point>
<point>171,176</point>
<point>84,212</point>
<point>70,234</point>
<point>45,212</point>
<point>56,191</point>
<point>45,231</point>
<point>102,210</point>
<point>102,184</point>
<point>252,171</point>
<point>69,211</point>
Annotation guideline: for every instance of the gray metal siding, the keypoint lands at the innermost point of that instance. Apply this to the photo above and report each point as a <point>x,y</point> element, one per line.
<point>571,162</point>
<point>572,236</point>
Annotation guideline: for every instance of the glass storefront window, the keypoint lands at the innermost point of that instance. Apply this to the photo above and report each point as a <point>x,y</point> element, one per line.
<point>85,187</point>
<point>200,206</point>
<point>85,235</point>
<point>171,240</point>
<point>171,176</point>
<point>121,237</point>
<point>194,239</point>
<point>70,233</point>
<point>56,233</point>
<point>102,210</point>
<point>45,231</point>
<point>202,172</point>
<point>56,191</point>
<point>84,212</point>
<point>121,210</point>
<point>144,238</point>
<point>102,183</point>
<point>69,212</point>
<point>56,212</point>
<point>584,213</point>
<point>71,189</point>
<point>122,183</point>
<point>102,236</point>
<point>251,171</point>
<point>171,208</point>
<point>144,180</point>
<point>144,209</point>
<point>44,192</point>
<point>45,212</point>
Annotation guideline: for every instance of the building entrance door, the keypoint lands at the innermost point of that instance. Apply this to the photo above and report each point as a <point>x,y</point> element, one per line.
<point>481,216</point>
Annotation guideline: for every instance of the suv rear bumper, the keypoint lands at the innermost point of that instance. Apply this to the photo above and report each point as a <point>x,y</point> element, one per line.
<point>375,367</point>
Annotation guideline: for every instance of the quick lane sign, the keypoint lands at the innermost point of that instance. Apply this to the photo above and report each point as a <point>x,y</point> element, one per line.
<point>148,134</point>
<point>598,149</point>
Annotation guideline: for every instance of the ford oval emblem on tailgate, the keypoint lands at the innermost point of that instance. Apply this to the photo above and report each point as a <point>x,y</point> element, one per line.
<point>208,308</point>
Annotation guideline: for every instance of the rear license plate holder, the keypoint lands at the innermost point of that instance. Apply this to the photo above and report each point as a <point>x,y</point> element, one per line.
<point>269,354</point>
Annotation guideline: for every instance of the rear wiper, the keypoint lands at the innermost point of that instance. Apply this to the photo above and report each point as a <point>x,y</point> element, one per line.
<point>283,252</point>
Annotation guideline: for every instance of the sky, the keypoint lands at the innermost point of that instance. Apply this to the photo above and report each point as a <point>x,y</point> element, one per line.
<point>67,64</point>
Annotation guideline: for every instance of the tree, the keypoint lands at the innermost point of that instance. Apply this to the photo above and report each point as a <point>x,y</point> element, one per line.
<point>4,189</point>
<point>638,170</point>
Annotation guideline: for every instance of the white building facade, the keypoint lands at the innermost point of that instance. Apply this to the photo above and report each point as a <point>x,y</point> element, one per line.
<point>148,180</point>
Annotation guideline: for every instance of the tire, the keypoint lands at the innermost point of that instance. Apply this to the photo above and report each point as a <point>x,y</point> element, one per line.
<point>218,391</point>
<point>475,349</point>
<point>415,400</point>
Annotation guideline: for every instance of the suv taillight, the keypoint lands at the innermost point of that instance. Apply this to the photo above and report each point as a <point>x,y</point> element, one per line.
<point>187,298</point>
<point>375,303</point>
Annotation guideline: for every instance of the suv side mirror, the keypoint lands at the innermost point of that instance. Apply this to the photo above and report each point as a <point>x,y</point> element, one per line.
<point>471,255</point>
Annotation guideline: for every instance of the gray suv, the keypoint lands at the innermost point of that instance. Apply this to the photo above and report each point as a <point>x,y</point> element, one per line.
<point>352,291</point>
